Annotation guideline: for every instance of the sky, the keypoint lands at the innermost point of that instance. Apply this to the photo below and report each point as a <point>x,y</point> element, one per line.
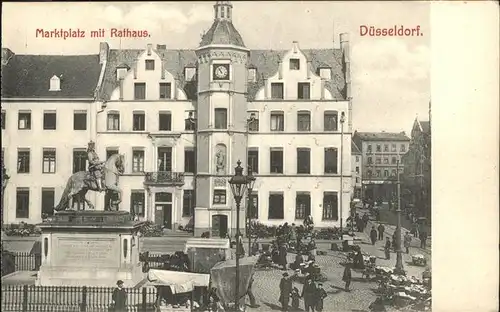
<point>390,75</point>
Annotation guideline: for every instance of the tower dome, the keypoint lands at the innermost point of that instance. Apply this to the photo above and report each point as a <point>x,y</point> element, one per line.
<point>222,30</point>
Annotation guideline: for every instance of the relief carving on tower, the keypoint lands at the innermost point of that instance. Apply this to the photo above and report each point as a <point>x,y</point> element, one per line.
<point>234,57</point>
<point>220,159</point>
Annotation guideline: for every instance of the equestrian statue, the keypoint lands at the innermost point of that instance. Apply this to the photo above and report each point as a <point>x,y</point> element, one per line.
<point>102,176</point>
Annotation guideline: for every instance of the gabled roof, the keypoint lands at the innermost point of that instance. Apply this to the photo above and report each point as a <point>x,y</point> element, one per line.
<point>355,149</point>
<point>382,136</point>
<point>265,61</point>
<point>222,32</point>
<point>28,76</point>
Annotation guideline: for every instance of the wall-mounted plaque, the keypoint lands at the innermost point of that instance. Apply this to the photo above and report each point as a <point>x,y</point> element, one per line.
<point>220,182</point>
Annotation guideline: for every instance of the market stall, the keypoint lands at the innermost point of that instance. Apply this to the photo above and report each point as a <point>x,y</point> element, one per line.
<point>176,290</point>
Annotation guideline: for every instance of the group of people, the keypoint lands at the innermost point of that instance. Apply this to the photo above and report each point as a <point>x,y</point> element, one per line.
<point>312,293</point>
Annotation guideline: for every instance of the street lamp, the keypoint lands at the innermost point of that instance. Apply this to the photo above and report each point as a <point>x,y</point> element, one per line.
<point>342,120</point>
<point>251,182</point>
<point>239,184</point>
<point>399,253</point>
<point>5,180</point>
<point>250,121</point>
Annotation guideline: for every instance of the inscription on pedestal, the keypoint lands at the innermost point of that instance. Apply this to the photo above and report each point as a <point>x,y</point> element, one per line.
<point>86,252</point>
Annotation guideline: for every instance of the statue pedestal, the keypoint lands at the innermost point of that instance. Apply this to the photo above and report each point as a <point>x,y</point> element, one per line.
<point>90,248</point>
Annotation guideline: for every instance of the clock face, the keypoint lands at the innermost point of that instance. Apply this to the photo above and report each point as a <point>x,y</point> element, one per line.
<point>221,72</point>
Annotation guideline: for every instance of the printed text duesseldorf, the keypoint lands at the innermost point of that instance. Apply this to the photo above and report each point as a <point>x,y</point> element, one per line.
<point>98,33</point>
<point>395,31</point>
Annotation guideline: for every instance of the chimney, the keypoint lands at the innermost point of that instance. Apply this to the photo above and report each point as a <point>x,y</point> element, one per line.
<point>121,89</point>
<point>309,69</point>
<point>280,69</point>
<point>323,88</point>
<point>295,46</point>
<point>150,48</point>
<point>103,52</point>
<point>174,87</point>
<point>135,68</point>
<point>266,92</point>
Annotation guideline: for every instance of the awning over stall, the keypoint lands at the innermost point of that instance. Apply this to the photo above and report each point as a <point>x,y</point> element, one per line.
<point>179,282</point>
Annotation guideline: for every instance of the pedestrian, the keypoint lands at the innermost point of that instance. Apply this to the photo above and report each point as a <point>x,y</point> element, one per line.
<point>251,297</point>
<point>295,299</point>
<point>119,298</point>
<point>387,249</point>
<point>394,242</point>
<point>407,241</point>
<point>381,229</point>
<point>282,255</point>
<point>286,287</point>
<point>417,229</point>
<point>309,295</point>
<point>321,295</point>
<point>423,239</point>
<point>373,235</point>
<point>365,220</point>
<point>347,276</point>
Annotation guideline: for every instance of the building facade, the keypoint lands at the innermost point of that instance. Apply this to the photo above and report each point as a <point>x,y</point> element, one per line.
<point>416,179</point>
<point>183,118</point>
<point>381,152</point>
<point>46,121</point>
<point>356,171</point>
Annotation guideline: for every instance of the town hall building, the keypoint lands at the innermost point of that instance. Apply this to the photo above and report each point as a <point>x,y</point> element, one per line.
<point>183,118</point>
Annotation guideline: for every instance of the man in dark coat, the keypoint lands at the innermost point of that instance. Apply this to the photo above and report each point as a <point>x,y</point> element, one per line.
<point>365,220</point>
<point>309,295</point>
<point>347,276</point>
<point>387,248</point>
<point>321,295</point>
<point>119,298</point>
<point>373,235</point>
<point>286,287</point>
<point>282,255</point>
<point>381,229</point>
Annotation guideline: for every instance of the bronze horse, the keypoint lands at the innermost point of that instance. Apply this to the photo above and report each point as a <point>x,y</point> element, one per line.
<point>81,182</point>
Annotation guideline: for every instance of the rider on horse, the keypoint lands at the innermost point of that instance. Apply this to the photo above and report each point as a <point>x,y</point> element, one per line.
<point>95,165</point>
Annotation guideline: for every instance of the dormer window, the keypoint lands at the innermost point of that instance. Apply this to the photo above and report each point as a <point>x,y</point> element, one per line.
<point>121,71</point>
<point>325,73</point>
<point>150,64</point>
<point>190,73</point>
<point>55,83</point>
<point>252,74</point>
<point>294,64</point>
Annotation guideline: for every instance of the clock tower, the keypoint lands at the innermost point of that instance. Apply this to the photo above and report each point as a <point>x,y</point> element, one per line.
<point>222,123</point>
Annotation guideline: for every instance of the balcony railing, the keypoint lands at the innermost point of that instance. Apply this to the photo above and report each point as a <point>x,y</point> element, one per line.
<point>164,177</point>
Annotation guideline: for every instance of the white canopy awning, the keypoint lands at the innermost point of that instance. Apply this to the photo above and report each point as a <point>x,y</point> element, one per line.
<point>179,282</point>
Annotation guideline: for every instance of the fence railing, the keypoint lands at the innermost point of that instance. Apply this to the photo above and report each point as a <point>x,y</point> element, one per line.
<point>29,298</point>
<point>32,261</point>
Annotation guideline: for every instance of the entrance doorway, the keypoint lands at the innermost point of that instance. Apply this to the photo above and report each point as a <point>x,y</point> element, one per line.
<point>219,226</point>
<point>163,210</point>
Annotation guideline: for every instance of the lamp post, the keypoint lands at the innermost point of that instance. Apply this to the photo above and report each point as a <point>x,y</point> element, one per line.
<point>251,182</point>
<point>250,121</point>
<point>5,180</point>
<point>399,253</point>
<point>342,120</point>
<point>239,184</point>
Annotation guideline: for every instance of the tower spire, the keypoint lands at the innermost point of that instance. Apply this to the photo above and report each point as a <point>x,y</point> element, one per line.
<point>223,11</point>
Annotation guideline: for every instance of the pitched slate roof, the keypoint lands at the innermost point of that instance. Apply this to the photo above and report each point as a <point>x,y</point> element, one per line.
<point>28,76</point>
<point>426,126</point>
<point>354,149</point>
<point>381,136</point>
<point>222,32</point>
<point>266,62</point>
